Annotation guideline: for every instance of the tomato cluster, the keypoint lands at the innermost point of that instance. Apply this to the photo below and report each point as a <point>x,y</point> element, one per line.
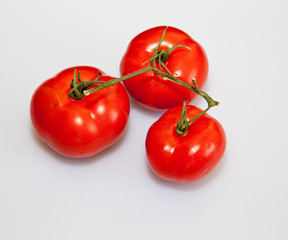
<point>82,111</point>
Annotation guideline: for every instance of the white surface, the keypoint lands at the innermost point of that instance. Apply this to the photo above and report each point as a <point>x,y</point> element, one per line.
<point>114,195</point>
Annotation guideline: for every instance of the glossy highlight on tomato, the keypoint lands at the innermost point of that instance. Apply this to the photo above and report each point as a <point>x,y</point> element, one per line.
<point>79,128</point>
<point>186,158</point>
<point>153,91</point>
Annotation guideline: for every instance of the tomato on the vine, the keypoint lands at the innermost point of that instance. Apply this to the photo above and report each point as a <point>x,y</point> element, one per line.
<point>185,153</point>
<point>178,54</point>
<point>79,128</point>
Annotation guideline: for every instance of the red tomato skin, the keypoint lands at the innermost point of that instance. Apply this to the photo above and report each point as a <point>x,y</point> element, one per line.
<point>155,92</point>
<point>79,128</point>
<point>184,159</point>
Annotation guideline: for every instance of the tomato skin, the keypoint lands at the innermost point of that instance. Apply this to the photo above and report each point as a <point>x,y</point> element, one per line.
<point>188,158</point>
<point>155,92</point>
<point>79,128</point>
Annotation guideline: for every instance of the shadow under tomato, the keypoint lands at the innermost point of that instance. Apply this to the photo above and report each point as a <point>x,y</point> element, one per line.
<point>190,186</point>
<point>79,161</point>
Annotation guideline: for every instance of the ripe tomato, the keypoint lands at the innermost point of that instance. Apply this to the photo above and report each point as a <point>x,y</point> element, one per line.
<point>153,91</point>
<point>189,157</point>
<point>79,128</point>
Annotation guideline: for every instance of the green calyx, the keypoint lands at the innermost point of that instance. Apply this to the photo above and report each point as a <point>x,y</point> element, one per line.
<point>78,87</point>
<point>183,125</point>
<point>161,56</point>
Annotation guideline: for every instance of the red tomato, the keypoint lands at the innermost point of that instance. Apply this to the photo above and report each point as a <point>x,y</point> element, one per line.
<point>79,128</point>
<point>155,92</point>
<point>185,158</point>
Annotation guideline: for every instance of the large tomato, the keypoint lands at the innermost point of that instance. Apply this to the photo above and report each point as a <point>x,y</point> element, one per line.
<point>188,157</point>
<point>79,128</point>
<point>153,91</point>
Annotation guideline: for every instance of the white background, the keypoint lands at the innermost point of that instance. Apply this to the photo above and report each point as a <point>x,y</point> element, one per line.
<point>114,195</point>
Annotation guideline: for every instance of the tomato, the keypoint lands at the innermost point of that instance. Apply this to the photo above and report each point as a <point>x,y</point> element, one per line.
<point>79,128</point>
<point>153,91</point>
<point>189,157</point>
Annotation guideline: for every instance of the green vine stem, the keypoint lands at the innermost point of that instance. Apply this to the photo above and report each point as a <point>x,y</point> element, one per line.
<point>79,88</point>
<point>209,100</point>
